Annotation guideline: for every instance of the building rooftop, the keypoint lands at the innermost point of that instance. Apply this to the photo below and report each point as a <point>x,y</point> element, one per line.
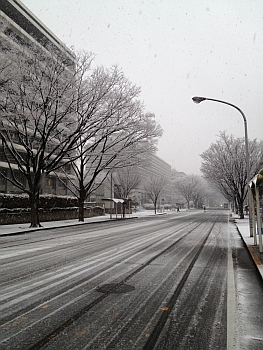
<point>25,19</point>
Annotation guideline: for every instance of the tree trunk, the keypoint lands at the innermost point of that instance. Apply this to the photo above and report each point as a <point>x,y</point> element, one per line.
<point>240,203</point>
<point>34,199</point>
<point>241,211</point>
<point>81,209</point>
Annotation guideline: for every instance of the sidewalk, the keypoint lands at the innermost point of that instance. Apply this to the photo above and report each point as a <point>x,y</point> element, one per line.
<point>242,227</point>
<point>16,229</point>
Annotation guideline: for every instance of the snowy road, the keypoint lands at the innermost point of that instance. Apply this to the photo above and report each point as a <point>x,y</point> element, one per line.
<point>164,282</point>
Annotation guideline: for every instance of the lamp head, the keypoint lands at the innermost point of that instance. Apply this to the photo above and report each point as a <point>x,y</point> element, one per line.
<point>197,99</point>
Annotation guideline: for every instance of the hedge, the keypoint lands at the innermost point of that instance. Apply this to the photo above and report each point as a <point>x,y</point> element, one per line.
<point>16,201</point>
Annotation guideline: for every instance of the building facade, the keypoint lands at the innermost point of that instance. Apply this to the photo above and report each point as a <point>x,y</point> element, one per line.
<point>20,30</point>
<point>153,167</point>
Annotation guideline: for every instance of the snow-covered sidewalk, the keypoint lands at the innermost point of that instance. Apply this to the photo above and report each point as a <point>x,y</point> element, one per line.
<point>243,229</point>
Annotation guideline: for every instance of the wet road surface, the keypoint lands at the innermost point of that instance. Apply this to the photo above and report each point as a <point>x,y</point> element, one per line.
<point>177,281</point>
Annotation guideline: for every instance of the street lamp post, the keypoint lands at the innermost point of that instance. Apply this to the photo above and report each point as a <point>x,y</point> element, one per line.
<point>197,99</point>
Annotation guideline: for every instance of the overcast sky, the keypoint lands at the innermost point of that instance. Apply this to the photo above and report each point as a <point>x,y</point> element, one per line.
<point>174,50</point>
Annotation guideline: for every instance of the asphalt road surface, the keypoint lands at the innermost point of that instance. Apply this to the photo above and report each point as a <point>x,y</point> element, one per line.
<point>175,281</point>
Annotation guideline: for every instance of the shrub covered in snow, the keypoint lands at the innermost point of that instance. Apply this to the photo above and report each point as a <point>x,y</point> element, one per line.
<point>20,202</point>
<point>13,201</point>
<point>49,202</point>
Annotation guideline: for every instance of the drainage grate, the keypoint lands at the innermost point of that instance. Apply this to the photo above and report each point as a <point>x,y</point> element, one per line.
<point>115,288</point>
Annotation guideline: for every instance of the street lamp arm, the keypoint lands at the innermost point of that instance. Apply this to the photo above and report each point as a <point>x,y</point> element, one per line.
<point>198,99</point>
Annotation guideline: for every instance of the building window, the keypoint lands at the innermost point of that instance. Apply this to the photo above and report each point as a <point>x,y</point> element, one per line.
<point>51,183</point>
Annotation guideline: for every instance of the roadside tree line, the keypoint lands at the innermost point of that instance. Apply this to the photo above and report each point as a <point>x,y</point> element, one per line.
<point>192,188</point>
<point>224,166</point>
<point>224,171</point>
<point>55,114</point>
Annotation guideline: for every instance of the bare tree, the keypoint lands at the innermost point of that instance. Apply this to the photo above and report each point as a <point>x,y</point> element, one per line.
<point>187,187</point>
<point>154,188</point>
<point>126,180</point>
<point>224,164</point>
<point>122,129</point>
<point>41,117</point>
<point>200,193</point>
<point>56,111</point>
<point>5,73</point>
<point>214,198</point>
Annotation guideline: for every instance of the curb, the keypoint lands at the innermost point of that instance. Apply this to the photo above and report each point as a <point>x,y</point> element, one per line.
<point>61,226</point>
<point>43,228</point>
<point>48,228</point>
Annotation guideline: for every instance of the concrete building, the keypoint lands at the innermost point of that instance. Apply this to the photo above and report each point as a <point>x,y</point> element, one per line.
<point>152,167</point>
<point>177,175</point>
<point>155,167</point>
<point>21,29</point>
<point>28,28</point>
<point>177,199</point>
